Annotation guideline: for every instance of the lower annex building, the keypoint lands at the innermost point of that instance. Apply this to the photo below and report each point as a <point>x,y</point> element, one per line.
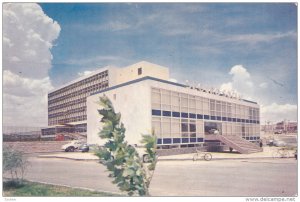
<point>181,116</point>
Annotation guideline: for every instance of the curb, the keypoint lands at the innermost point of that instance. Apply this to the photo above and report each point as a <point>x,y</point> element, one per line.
<point>69,158</point>
<point>178,159</point>
<point>213,159</point>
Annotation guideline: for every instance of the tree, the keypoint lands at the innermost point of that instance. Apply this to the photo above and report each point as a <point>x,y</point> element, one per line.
<point>120,158</point>
<point>15,163</point>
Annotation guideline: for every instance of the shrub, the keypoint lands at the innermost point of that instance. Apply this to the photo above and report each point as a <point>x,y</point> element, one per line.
<point>14,163</point>
<point>120,158</point>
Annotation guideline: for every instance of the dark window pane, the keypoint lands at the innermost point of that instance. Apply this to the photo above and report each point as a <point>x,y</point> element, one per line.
<point>184,127</point>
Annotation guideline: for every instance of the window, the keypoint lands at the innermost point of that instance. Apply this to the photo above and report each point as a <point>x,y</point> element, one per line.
<point>200,128</point>
<point>140,71</point>
<point>166,127</point>
<point>184,103</point>
<point>156,126</point>
<point>175,129</point>
<point>192,128</point>
<point>184,127</point>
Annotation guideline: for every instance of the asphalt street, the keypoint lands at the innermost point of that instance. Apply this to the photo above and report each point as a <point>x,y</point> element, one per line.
<point>266,177</point>
<point>81,174</point>
<point>226,178</point>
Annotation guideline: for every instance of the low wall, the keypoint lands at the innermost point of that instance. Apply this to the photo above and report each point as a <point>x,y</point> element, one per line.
<point>36,146</point>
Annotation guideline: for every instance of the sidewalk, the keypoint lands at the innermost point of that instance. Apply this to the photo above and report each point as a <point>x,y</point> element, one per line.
<point>267,153</point>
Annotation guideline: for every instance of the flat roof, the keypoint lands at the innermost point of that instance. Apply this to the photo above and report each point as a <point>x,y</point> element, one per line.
<point>154,79</point>
<point>82,78</point>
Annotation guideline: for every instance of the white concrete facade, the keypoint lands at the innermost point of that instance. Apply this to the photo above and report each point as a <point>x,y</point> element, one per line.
<point>134,100</point>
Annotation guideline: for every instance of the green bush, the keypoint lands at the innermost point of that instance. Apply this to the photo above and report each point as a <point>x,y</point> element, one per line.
<point>120,158</point>
<point>14,163</point>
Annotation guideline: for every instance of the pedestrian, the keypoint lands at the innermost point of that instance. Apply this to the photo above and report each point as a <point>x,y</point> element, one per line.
<point>260,143</point>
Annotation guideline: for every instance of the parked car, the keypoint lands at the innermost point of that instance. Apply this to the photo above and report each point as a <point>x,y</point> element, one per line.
<point>279,143</point>
<point>84,148</point>
<point>72,146</point>
<point>270,142</point>
<point>278,132</point>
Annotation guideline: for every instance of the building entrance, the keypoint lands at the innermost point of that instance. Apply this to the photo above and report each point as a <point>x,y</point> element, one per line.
<point>213,128</point>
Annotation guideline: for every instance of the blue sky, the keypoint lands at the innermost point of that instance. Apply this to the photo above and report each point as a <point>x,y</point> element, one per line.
<point>188,38</point>
<point>251,48</point>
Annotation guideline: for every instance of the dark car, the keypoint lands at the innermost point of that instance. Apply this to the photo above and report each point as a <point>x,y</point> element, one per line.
<point>84,148</point>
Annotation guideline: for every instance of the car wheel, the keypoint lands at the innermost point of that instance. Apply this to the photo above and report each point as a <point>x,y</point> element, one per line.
<point>71,149</point>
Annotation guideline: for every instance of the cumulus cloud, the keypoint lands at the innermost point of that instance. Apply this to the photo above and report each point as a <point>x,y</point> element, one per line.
<point>28,36</point>
<point>25,87</point>
<point>243,83</point>
<point>276,112</point>
<point>226,87</point>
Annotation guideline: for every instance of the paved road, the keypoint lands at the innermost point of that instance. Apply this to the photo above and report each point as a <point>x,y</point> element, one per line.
<point>226,178</point>
<point>83,174</point>
<point>181,178</point>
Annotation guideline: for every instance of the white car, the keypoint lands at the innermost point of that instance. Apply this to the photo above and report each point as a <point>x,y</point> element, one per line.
<point>279,143</point>
<point>70,147</point>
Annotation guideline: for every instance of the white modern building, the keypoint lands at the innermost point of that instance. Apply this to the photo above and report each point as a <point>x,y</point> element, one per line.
<point>181,116</point>
<point>67,104</point>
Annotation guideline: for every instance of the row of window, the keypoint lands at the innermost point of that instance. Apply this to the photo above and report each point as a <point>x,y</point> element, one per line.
<point>68,106</point>
<point>179,140</point>
<point>168,141</point>
<point>173,101</point>
<point>181,127</point>
<point>79,85</point>
<point>79,94</point>
<point>156,112</point>
<point>56,121</point>
<point>69,113</point>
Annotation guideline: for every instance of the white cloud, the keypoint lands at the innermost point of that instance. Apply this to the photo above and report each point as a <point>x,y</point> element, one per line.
<point>276,112</point>
<point>85,73</point>
<point>244,84</point>
<point>20,86</point>
<point>257,38</point>
<point>226,87</point>
<point>28,36</point>
<point>241,82</point>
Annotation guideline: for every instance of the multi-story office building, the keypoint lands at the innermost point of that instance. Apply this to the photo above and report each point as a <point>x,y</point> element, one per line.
<point>181,116</point>
<point>67,104</point>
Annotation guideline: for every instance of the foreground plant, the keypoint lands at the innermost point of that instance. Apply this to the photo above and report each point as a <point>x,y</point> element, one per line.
<point>14,163</point>
<point>120,158</point>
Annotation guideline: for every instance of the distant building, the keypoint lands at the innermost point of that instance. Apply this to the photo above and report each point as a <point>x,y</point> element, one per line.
<point>281,127</point>
<point>181,116</point>
<point>286,126</point>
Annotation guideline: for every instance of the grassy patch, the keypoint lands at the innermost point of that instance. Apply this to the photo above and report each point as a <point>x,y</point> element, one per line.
<point>37,189</point>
